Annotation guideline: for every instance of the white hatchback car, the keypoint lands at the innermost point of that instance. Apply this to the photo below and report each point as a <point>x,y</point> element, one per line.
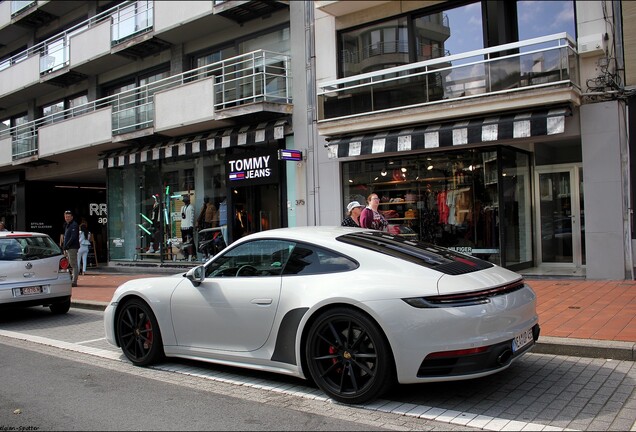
<point>355,310</point>
<point>33,272</point>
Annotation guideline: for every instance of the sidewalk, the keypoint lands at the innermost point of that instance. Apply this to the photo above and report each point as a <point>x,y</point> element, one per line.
<point>584,318</point>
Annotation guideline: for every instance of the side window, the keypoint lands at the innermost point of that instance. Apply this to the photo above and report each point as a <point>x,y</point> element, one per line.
<point>306,260</point>
<point>255,258</point>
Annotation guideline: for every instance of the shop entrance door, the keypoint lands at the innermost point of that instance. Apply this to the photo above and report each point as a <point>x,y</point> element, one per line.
<point>559,217</point>
<point>255,208</point>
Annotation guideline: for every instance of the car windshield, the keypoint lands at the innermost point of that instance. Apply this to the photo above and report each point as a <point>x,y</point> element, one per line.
<point>424,254</point>
<point>27,248</point>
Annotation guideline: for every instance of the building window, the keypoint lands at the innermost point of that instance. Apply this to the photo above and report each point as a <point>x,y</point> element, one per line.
<point>65,108</point>
<point>453,200</point>
<point>425,35</point>
<point>133,108</point>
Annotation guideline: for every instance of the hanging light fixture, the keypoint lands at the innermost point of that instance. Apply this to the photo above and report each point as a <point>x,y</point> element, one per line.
<point>383,172</point>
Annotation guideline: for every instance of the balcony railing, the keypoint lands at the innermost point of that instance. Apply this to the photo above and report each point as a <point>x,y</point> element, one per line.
<point>127,20</point>
<point>258,76</point>
<point>519,66</point>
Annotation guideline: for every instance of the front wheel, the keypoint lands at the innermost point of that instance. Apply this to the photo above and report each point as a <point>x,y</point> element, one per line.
<point>348,356</point>
<point>138,333</point>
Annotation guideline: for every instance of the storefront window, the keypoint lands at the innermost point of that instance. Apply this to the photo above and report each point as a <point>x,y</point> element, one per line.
<point>123,190</point>
<point>515,186</point>
<point>450,199</point>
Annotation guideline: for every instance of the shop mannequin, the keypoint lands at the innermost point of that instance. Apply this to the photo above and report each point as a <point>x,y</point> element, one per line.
<point>187,228</point>
<point>154,217</point>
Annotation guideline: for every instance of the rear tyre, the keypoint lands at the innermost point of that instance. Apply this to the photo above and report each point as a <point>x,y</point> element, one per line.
<point>137,331</point>
<point>60,307</point>
<point>348,356</point>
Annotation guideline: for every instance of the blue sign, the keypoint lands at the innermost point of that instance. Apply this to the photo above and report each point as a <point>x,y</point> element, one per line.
<point>290,155</point>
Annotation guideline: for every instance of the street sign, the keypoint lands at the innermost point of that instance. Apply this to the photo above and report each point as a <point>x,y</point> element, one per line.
<point>290,155</point>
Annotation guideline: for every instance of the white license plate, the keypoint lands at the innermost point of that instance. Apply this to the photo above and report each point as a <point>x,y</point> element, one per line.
<point>31,290</point>
<point>521,340</point>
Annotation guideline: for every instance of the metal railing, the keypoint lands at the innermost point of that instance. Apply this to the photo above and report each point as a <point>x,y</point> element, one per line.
<point>127,20</point>
<point>258,76</point>
<point>519,66</point>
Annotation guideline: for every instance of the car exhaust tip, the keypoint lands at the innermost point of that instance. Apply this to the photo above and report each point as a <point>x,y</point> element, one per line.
<point>504,357</point>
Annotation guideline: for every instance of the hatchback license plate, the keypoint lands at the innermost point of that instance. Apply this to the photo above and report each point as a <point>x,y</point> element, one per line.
<point>521,340</point>
<point>31,290</point>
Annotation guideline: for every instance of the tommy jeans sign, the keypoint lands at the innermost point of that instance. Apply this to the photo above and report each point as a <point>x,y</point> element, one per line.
<point>253,168</point>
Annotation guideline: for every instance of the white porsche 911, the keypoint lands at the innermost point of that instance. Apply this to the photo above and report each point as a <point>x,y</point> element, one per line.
<point>354,310</point>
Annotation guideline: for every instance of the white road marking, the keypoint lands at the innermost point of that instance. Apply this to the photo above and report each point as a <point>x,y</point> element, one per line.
<point>411,410</point>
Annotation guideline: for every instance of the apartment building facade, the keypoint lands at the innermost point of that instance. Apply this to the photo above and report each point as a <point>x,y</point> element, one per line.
<point>118,109</point>
<point>498,129</point>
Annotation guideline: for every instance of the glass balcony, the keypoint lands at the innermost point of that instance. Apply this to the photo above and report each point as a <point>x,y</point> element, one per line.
<point>128,19</point>
<point>24,142</point>
<point>519,66</point>
<point>17,6</point>
<point>258,76</point>
<point>131,19</point>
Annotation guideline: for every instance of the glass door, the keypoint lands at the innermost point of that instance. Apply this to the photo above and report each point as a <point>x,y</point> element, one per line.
<point>559,217</point>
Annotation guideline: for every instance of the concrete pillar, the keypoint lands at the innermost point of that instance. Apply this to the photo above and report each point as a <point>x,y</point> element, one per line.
<point>605,184</point>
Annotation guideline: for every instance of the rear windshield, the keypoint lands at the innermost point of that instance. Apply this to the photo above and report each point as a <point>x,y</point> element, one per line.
<point>27,248</point>
<point>424,254</point>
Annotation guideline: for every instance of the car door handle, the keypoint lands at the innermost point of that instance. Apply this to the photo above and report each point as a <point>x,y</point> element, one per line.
<point>263,301</point>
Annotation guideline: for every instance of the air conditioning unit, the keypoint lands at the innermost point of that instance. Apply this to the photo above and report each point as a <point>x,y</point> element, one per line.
<point>592,45</point>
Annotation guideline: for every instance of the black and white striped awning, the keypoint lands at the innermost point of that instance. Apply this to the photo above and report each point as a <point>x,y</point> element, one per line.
<point>482,130</point>
<point>195,144</point>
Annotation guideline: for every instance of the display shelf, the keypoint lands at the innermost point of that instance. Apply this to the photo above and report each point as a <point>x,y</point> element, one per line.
<point>398,203</point>
<point>400,189</point>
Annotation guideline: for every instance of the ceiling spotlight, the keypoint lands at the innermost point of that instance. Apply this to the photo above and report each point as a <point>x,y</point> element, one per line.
<point>383,172</point>
<point>403,169</point>
<point>430,167</point>
<point>376,179</point>
<point>470,168</point>
<point>350,181</point>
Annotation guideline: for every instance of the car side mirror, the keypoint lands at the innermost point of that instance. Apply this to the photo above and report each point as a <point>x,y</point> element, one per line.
<point>196,275</point>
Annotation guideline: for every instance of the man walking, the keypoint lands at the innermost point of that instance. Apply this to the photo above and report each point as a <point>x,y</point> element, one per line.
<point>71,243</point>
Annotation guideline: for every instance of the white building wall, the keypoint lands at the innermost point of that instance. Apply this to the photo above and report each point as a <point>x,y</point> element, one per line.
<point>608,250</point>
<point>171,14</point>
<point>96,128</point>
<point>184,105</point>
<point>331,209</point>
<point>90,44</point>
<point>20,75</point>
<point>5,14</point>
<point>6,151</point>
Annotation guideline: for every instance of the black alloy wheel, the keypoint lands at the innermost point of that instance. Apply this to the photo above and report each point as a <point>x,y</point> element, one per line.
<point>348,356</point>
<point>138,333</point>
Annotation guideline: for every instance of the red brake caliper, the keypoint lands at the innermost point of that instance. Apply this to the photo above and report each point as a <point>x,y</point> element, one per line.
<point>334,350</point>
<point>148,342</point>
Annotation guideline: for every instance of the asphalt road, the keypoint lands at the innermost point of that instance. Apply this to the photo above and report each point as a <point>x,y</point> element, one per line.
<point>57,393</point>
<point>538,392</point>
